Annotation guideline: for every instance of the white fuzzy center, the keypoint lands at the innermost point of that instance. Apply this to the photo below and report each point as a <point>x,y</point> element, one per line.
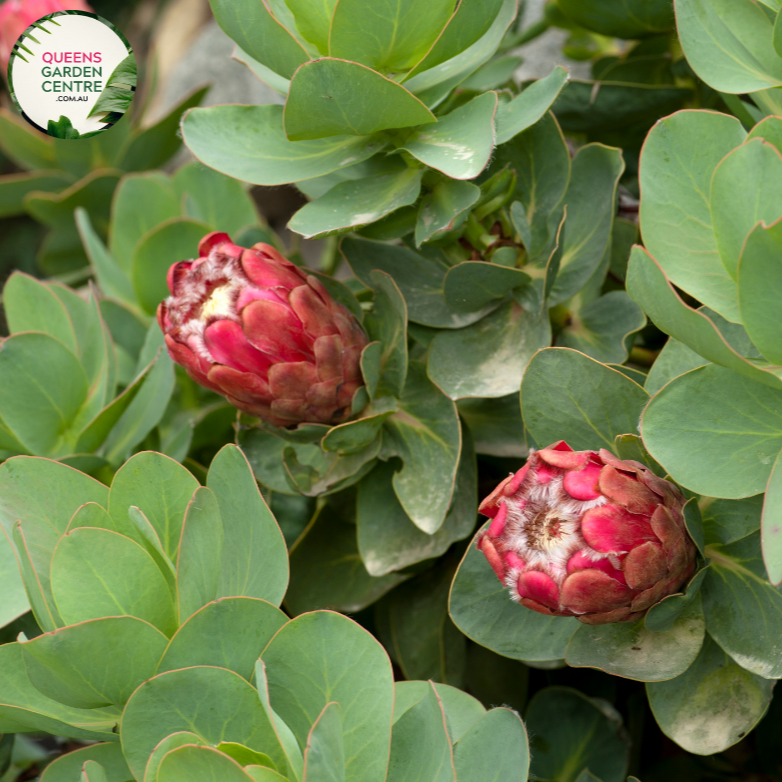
<point>546,532</point>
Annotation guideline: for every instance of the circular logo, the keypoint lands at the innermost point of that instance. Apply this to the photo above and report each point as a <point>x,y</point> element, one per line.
<point>72,74</point>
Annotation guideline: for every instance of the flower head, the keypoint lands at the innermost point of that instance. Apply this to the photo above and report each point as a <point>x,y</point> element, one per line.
<point>254,327</point>
<point>585,534</point>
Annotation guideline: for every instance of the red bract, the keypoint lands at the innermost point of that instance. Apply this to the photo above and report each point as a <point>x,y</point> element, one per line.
<point>585,534</point>
<point>17,15</point>
<point>254,327</point>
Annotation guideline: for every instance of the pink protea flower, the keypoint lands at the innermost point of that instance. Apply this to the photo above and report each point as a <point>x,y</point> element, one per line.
<point>585,534</point>
<point>17,15</point>
<point>262,332</point>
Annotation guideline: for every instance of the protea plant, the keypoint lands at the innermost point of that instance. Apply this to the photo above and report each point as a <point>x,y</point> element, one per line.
<point>254,327</point>
<point>585,534</point>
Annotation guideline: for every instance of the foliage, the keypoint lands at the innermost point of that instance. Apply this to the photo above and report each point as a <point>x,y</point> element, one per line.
<point>158,595</point>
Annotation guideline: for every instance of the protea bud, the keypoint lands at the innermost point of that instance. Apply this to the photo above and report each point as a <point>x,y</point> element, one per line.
<point>17,15</point>
<point>262,332</point>
<point>585,534</point>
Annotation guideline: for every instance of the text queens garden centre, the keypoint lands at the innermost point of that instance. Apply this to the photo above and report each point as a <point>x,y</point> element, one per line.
<point>81,75</point>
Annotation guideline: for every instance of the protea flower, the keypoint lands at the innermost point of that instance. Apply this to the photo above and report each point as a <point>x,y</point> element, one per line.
<point>17,15</point>
<point>585,534</point>
<point>262,332</point>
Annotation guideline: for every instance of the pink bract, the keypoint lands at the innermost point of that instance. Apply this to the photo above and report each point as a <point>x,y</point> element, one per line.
<point>254,327</point>
<point>585,534</point>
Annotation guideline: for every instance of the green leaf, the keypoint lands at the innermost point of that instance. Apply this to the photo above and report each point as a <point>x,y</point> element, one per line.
<point>41,603</point>
<point>760,285</point>
<point>111,278</point>
<point>146,409</point>
<point>20,143</point>
<point>43,495</point>
<point>161,488</point>
<point>67,768</point>
<point>590,200</point>
<point>15,187</point>
<point>255,561</point>
<point>217,200</point>
<point>356,203</point>
<point>567,396</point>
<point>649,286</point>
<point>34,402</point>
<point>620,18</point>
<point>425,434</point>
<point>15,600</point>
<point>228,633</point>
<point>461,142</point>
<point>249,143</point>
<point>420,745</point>
<point>62,128</point>
<point>742,608</point>
<point>355,436</point>
<point>327,570</point>
<point>200,551</point>
<point>141,203</point>
<point>719,447</point>
<point>754,167</point>
<point>323,657</point>
<point>155,145</point>
<point>675,359</point>
<point>96,431</point>
<point>387,538</point>
<point>419,279</point>
<point>95,663</point>
<point>118,98</point>
<point>729,44</point>
<point>661,617</point>
<point>495,425</point>
<point>32,306</point>
<point>462,711</point>
<point>498,741</point>
<point>601,328</point>
<point>324,754</point>
<point>93,772</point>
<point>634,652</point>
<point>472,285</point>
<point>488,358</point>
<point>169,703</point>
<point>331,97</point>
<point>481,608</point>
<point>571,732</point>
<point>199,764</point>
<point>387,323</point>
<point>313,20</point>
<point>471,21</point>
<point>726,521</point>
<point>515,116</point>
<point>677,164</point>
<point>442,208</point>
<point>172,241</point>
<point>771,526</point>
<point>388,35</point>
<point>181,738</point>
<point>541,160</point>
<point>98,573</point>
<point>425,643</point>
<point>711,706</point>
<point>261,34</point>
<point>24,709</point>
